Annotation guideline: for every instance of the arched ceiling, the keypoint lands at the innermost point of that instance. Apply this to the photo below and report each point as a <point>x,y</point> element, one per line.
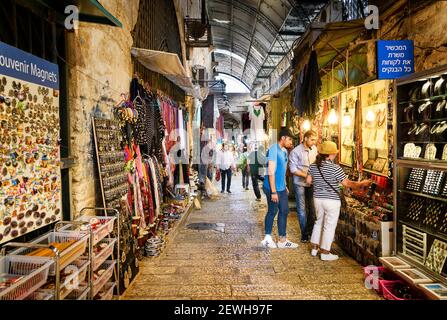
<point>258,33</point>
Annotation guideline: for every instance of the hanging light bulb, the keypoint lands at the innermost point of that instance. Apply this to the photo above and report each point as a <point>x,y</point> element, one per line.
<point>306,125</point>
<point>333,118</point>
<point>370,116</point>
<point>347,121</point>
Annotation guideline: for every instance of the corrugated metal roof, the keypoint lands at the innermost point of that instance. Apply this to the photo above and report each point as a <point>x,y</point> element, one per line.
<point>259,32</point>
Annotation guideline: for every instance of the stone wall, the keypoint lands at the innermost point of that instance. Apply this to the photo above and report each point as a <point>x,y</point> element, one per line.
<point>100,69</point>
<point>427,27</point>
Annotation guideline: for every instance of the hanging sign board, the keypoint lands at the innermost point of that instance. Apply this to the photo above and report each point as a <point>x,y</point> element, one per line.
<point>395,58</point>
<point>30,190</point>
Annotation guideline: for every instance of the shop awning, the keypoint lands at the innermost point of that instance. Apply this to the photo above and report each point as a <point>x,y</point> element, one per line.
<point>89,10</point>
<point>335,38</point>
<point>169,65</point>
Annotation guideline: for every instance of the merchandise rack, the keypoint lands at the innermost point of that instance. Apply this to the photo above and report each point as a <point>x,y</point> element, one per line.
<point>404,88</point>
<point>98,236</point>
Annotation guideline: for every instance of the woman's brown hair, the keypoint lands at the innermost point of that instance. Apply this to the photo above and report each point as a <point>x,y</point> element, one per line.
<point>320,158</point>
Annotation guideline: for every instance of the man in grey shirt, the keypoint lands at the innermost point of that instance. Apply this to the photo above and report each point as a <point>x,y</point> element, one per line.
<point>299,161</point>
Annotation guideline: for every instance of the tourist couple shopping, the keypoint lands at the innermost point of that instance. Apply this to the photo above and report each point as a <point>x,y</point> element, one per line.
<point>316,181</point>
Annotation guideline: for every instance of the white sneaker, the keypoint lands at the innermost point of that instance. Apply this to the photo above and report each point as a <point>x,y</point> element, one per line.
<point>287,245</point>
<point>269,243</point>
<point>328,257</point>
<point>314,252</point>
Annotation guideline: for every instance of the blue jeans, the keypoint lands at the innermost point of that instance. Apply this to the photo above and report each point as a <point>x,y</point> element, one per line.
<point>283,206</point>
<point>305,210</point>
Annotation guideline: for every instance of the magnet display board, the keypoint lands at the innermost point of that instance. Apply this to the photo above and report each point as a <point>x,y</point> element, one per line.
<point>30,190</point>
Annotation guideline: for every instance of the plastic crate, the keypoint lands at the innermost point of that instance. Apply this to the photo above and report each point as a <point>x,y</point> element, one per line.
<point>32,270</point>
<point>41,294</point>
<point>387,287</point>
<point>384,274</point>
<point>72,281</point>
<point>69,254</point>
<point>99,259</point>
<point>79,294</point>
<point>107,291</point>
<point>99,283</point>
<point>106,227</point>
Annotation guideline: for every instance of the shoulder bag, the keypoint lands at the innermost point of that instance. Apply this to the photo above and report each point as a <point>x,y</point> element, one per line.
<point>344,204</point>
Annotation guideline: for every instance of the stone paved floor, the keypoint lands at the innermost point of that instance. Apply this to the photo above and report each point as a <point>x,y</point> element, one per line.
<point>232,265</point>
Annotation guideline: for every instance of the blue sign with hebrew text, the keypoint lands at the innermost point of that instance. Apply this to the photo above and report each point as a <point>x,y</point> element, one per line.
<point>395,58</point>
<point>21,65</point>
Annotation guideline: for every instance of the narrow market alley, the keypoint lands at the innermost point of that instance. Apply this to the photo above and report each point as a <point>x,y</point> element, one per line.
<point>209,264</point>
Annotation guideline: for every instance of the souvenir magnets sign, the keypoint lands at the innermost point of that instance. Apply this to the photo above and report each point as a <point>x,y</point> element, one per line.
<point>30,185</point>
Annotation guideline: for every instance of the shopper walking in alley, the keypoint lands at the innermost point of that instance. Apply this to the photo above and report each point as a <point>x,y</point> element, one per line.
<point>275,188</point>
<point>255,161</point>
<point>326,178</point>
<point>226,164</point>
<point>243,166</point>
<point>301,158</point>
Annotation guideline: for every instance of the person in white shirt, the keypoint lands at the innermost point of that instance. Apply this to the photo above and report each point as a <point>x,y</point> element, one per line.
<point>226,163</point>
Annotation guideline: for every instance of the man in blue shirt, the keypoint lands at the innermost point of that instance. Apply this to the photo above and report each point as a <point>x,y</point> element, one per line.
<point>275,188</point>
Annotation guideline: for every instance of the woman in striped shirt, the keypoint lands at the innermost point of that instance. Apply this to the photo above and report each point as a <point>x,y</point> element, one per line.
<point>326,177</point>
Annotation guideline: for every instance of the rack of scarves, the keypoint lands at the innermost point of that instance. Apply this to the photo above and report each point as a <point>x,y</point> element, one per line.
<point>149,127</point>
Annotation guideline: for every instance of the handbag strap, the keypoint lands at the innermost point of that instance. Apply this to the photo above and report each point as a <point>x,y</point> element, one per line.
<point>321,174</point>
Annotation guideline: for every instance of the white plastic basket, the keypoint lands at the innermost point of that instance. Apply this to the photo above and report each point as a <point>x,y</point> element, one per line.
<point>107,291</point>
<point>34,273</point>
<point>99,283</point>
<point>41,294</point>
<point>106,227</point>
<point>73,281</point>
<point>99,259</point>
<point>79,294</point>
<point>67,256</point>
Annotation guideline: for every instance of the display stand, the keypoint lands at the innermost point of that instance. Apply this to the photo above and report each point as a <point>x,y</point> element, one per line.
<point>99,260</point>
<point>421,171</point>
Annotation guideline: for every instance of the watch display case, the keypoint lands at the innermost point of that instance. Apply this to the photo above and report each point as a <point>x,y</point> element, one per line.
<point>421,172</point>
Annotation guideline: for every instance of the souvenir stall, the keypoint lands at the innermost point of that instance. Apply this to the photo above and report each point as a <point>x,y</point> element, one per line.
<point>359,120</point>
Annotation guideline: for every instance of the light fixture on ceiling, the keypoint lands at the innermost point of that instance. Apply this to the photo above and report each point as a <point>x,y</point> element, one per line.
<point>347,121</point>
<point>221,21</point>
<point>306,125</point>
<point>370,116</point>
<point>333,118</point>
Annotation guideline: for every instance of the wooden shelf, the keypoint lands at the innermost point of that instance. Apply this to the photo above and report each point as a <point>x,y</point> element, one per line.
<point>421,121</point>
<point>423,195</point>
<point>434,98</point>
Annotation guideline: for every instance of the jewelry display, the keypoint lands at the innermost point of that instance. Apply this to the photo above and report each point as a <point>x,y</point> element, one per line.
<point>439,87</point>
<point>414,243</point>
<point>430,152</point>
<point>433,182</point>
<point>426,89</point>
<point>437,256</point>
<point>416,179</point>
<point>348,102</point>
<point>434,213</point>
<point>416,209</point>
<point>441,105</point>
<point>375,134</point>
<point>114,182</point>
<point>422,144</point>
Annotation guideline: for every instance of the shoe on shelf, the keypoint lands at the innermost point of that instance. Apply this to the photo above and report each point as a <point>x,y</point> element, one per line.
<point>314,252</point>
<point>268,244</point>
<point>287,245</point>
<point>328,257</point>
